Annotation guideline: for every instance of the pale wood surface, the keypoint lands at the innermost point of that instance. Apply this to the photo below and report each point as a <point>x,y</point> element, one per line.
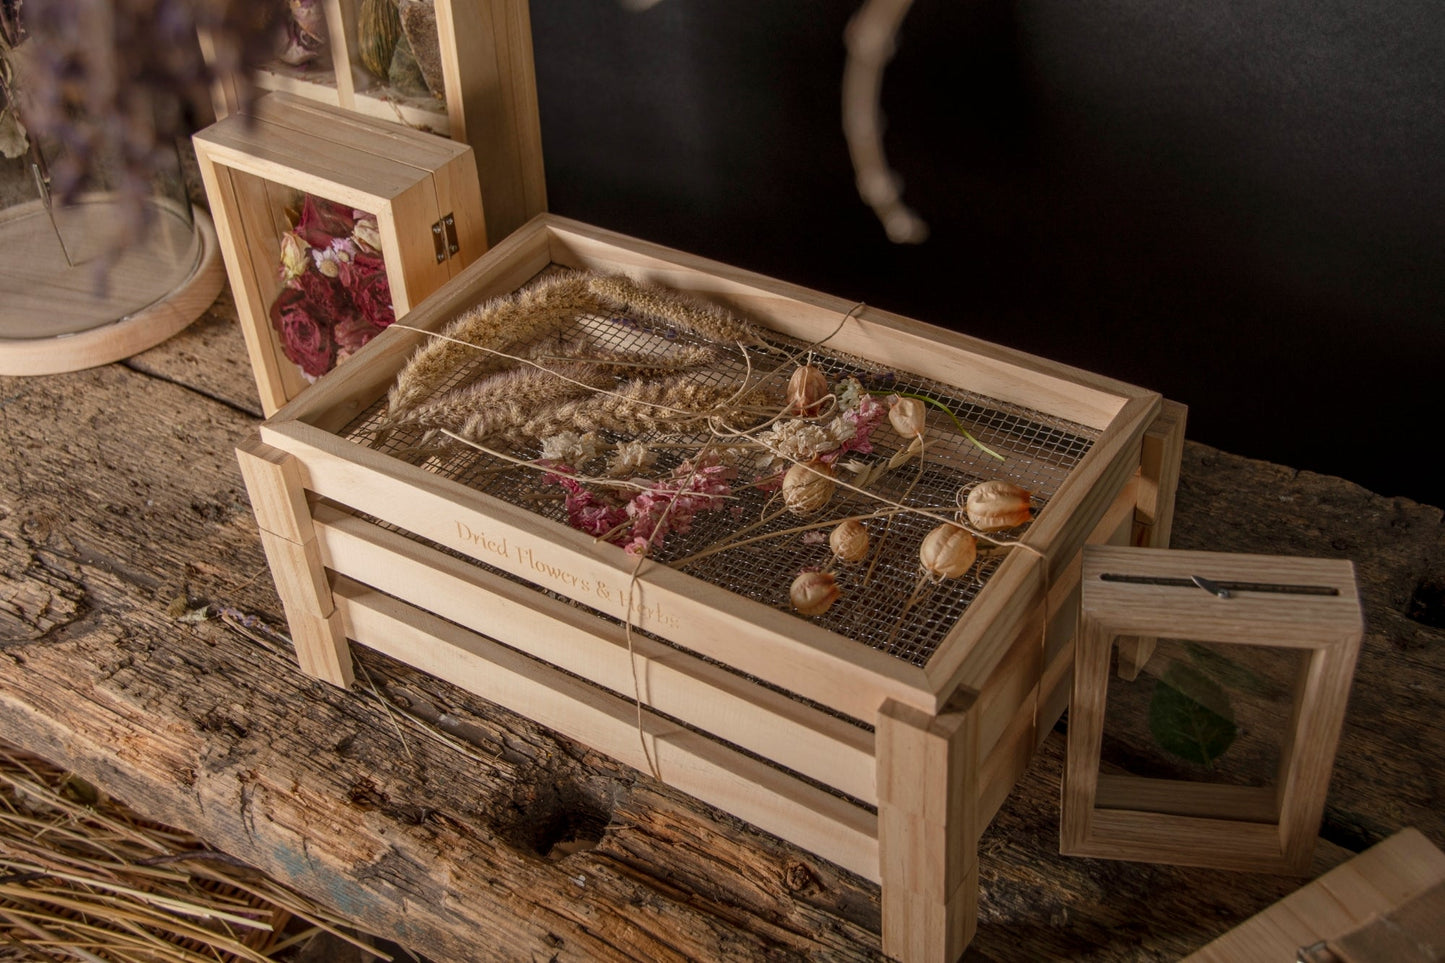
<point>1375,882</point>
<point>806,740</point>
<point>119,492</point>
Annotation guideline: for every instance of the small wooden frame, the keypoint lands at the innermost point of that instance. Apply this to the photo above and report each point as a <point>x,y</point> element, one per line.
<point>367,547</point>
<point>1263,829</point>
<point>490,103</point>
<point>422,189</point>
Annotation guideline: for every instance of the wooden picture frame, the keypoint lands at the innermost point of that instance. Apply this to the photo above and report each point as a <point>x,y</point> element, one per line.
<point>422,190</point>
<point>1139,592</point>
<point>490,101</point>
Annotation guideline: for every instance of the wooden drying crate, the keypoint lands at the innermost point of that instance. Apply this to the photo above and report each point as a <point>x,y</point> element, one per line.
<point>888,768</point>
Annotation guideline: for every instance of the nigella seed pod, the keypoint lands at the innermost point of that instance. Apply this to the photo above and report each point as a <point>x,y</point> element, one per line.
<point>807,487</point>
<point>813,593</point>
<point>948,551</point>
<point>849,541</point>
<point>806,390</point>
<point>995,505</point>
<point>906,415</point>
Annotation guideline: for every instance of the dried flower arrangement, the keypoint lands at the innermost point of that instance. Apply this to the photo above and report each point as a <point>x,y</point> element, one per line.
<point>336,296</point>
<point>679,432</point>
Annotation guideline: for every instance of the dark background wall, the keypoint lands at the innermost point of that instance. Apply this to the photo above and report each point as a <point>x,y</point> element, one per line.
<point>1239,203</point>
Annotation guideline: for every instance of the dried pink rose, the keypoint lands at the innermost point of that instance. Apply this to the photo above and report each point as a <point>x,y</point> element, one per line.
<point>323,221</point>
<point>365,279</point>
<point>305,337</point>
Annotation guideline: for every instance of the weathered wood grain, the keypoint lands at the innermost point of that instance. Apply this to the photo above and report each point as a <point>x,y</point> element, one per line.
<point>119,494</point>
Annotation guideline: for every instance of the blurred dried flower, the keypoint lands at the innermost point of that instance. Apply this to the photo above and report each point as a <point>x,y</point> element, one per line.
<point>114,84</point>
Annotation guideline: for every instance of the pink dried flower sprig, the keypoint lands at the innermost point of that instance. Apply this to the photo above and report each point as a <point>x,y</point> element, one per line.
<point>641,523</point>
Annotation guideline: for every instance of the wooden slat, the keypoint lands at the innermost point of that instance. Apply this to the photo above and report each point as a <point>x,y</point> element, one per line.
<point>274,486</point>
<point>491,94</point>
<point>1280,620</point>
<point>760,720</point>
<point>247,287</point>
<point>1245,803</point>
<point>999,771</point>
<point>880,336</point>
<point>395,143</point>
<point>751,790</point>
<point>1159,463</point>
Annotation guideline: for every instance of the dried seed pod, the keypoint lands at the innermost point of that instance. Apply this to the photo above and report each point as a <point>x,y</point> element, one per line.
<point>378,27</point>
<point>906,415</point>
<point>808,487</point>
<point>806,390</point>
<point>849,541</point>
<point>995,505</point>
<point>812,593</point>
<point>948,551</point>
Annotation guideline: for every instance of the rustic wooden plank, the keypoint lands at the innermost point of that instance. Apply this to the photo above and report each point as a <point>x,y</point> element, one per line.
<point>119,493</point>
<point>197,726</point>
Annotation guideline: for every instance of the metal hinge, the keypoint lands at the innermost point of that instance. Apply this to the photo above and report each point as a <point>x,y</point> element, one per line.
<point>444,238</point>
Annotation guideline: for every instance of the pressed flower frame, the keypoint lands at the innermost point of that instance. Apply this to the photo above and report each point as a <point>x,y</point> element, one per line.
<point>265,170</point>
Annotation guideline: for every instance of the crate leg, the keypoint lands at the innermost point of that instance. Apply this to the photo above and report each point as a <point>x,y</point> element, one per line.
<point>1159,462</point>
<point>279,501</point>
<point>928,831</point>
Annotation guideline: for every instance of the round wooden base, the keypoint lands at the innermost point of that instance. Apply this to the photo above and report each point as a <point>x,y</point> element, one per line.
<point>56,316</point>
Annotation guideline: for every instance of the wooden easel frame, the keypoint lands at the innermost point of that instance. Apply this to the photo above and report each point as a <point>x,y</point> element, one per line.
<point>1258,829</point>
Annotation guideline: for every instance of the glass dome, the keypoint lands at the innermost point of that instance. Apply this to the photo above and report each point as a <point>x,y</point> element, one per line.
<point>115,269</point>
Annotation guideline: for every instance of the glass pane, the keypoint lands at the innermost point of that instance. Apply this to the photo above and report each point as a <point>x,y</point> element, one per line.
<point>398,55</point>
<point>95,257</point>
<point>303,49</point>
<point>1201,712</point>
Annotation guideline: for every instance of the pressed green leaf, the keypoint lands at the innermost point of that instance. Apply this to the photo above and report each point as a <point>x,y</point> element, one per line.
<point>1190,715</point>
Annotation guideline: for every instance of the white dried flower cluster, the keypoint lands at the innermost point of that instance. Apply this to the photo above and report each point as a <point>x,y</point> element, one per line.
<point>849,393</point>
<point>570,448</point>
<point>631,458</point>
<point>798,440</point>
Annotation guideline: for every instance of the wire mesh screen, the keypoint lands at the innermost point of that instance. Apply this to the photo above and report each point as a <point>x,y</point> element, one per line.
<point>747,543</point>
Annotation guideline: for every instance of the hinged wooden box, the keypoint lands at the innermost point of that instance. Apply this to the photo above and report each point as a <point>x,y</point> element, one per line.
<point>306,198</point>
<point>884,751</point>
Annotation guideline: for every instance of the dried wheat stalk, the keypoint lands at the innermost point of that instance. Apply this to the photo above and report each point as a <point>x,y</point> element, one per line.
<point>494,335</point>
<point>83,877</point>
<point>678,403</point>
